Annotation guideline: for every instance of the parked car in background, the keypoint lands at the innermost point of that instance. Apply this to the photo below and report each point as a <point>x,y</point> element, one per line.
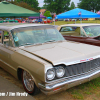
<point>40,20</point>
<point>73,19</point>
<point>84,33</point>
<point>67,19</point>
<point>38,55</point>
<point>19,21</point>
<point>60,19</point>
<point>10,21</point>
<point>45,21</point>
<point>1,20</point>
<point>49,21</point>
<point>85,19</point>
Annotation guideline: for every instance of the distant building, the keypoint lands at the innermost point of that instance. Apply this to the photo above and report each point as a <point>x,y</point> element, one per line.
<point>42,11</point>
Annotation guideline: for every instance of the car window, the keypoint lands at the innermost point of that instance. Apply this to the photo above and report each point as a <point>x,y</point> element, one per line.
<point>68,28</point>
<point>65,29</point>
<point>92,30</point>
<point>6,39</point>
<point>70,31</point>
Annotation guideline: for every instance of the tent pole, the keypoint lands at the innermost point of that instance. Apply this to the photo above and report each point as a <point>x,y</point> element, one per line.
<point>54,19</point>
<point>81,21</point>
<point>75,21</point>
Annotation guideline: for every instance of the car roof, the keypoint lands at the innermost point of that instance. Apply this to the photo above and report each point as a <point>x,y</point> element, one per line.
<point>81,24</point>
<point>10,26</point>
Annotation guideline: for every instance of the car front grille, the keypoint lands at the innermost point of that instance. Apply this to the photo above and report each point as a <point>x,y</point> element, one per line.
<point>82,68</point>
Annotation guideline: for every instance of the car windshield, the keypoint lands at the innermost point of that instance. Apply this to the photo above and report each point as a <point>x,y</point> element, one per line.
<point>35,35</point>
<point>92,31</point>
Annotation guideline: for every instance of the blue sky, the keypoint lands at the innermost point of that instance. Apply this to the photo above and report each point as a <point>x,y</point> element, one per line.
<point>41,2</point>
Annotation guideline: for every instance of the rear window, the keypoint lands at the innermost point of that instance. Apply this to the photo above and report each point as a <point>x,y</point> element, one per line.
<point>67,28</point>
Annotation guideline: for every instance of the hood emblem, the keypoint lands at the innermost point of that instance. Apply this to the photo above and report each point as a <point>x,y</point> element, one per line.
<point>86,60</point>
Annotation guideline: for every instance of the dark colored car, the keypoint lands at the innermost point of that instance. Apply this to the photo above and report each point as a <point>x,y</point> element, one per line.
<point>84,33</point>
<point>39,20</point>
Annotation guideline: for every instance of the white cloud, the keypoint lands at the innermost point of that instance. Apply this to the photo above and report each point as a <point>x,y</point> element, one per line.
<point>41,2</point>
<point>75,2</point>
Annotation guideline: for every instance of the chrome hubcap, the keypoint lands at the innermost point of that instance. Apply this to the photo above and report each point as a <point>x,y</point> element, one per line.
<point>28,81</point>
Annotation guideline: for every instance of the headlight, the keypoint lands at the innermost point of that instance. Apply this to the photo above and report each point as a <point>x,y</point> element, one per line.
<point>50,74</point>
<point>60,71</point>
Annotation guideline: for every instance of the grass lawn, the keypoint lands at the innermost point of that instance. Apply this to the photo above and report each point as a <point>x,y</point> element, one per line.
<point>73,22</point>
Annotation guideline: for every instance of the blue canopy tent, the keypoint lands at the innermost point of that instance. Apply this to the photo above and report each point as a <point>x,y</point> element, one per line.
<point>49,17</point>
<point>77,13</point>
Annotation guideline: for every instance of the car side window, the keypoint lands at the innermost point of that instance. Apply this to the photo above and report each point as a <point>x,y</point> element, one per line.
<point>65,29</point>
<point>6,39</point>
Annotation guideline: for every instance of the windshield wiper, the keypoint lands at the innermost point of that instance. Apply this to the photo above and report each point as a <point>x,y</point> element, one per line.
<point>31,44</point>
<point>26,44</point>
<point>37,43</point>
<point>49,41</point>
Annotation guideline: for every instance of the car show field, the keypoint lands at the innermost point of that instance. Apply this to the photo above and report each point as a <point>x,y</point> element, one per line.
<point>79,92</point>
<point>49,50</point>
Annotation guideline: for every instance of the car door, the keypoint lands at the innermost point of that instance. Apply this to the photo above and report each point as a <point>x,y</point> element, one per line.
<point>6,50</point>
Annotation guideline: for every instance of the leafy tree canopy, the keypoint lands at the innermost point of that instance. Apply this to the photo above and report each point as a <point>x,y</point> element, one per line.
<point>33,3</point>
<point>89,5</point>
<point>47,14</point>
<point>57,6</point>
<point>72,6</point>
<point>24,5</point>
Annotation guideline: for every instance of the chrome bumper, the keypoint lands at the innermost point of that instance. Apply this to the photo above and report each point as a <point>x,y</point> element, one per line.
<point>64,84</point>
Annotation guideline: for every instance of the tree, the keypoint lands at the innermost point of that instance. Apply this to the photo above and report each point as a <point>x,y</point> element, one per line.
<point>72,6</point>
<point>33,3</point>
<point>89,5</point>
<point>57,6</point>
<point>47,14</point>
<point>24,5</point>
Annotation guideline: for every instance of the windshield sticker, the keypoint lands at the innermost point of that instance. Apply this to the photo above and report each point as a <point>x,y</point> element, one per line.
<point>16,39</point>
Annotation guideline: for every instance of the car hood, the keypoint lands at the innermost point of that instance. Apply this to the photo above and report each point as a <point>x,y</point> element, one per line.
<point>63,52</point>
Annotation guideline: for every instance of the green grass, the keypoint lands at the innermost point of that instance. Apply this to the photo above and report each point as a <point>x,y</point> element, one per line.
<point>73,22</point>
<point>87,89</point>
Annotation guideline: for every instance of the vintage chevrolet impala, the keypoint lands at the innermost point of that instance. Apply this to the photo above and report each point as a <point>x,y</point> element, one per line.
<point>38,55</point>
<point>84,33</point>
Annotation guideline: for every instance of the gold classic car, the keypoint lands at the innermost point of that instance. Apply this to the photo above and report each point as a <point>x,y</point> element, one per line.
<point>38,55</point>
<point>84,33</point>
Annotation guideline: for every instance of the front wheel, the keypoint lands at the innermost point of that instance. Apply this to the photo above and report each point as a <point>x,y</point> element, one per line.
<point>29,84</point>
